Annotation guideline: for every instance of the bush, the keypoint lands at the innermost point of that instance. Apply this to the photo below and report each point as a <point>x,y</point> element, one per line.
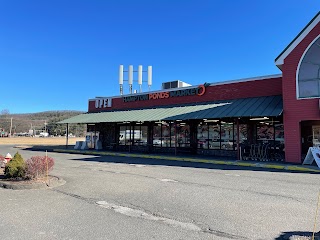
<point>37,166</point>
<point>16,168</point>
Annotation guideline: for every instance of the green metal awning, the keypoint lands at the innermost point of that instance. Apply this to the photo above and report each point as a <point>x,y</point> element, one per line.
<point>270,106</point>
<point>143,115</point>
<point>247,107</point>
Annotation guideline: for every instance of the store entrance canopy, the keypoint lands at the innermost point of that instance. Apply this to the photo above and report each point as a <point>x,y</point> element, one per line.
<point>247,107</point>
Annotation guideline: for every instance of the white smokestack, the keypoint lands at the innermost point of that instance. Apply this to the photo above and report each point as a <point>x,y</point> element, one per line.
<point>149,76</point>
<point>121,74</point>
<point>140,74</point>
<point>130,75</point>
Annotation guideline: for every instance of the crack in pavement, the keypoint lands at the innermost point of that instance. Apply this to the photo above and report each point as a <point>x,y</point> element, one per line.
<point>136,213</point>
<point>171,222</point>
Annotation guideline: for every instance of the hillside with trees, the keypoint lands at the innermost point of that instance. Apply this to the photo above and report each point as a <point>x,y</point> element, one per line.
<point>40,122</point>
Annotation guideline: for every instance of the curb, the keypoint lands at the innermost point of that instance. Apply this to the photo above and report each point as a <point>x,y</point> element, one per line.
<point>53,182</point>
<point>188,159</point>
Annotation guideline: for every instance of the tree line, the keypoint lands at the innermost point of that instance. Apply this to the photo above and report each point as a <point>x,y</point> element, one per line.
<point>40,122</point>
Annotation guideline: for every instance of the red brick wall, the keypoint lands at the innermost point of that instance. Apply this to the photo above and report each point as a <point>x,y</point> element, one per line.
<point>265,87</point>
<point>295,110</point>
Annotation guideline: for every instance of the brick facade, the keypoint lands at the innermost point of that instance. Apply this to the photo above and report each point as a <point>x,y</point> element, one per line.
<point>257,88</point>
<point>296,110</point>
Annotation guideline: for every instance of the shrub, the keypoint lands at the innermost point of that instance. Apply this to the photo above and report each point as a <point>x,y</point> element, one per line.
<point>16,167</point>
<point>37,166</point>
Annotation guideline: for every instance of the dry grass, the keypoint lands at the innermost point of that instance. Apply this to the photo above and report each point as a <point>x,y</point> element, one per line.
<point>36,141</point>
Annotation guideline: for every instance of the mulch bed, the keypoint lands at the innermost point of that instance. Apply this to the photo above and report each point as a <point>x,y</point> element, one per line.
<point>19,184</point>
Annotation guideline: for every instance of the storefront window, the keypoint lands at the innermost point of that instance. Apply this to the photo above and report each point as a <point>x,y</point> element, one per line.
<point>125,135</point>
<point>243,133</point>
<point>202,136</point>
<point>279,133</point>
<point>265,132</point>
<point>165,135</point>
<point>140,135</point>
<point>157,136</point>
<point>227,141</point>
<point>172,135</point>
<point>183,135</point>
<point>214,136</point>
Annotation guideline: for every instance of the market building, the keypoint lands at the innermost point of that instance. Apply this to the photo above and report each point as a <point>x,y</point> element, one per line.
<point>268,118</point>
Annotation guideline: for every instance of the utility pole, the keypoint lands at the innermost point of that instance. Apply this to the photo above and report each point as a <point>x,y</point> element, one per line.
<point>10,127</point>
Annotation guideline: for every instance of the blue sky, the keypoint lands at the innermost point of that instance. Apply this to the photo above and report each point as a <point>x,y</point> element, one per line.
<point>57,54</point>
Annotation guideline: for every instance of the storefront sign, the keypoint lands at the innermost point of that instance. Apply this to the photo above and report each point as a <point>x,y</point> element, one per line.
<point>199,91</point>
<point>312,155</point>
<point>103,102</point>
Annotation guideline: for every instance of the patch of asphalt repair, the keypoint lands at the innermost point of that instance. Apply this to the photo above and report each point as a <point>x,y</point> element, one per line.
<point>137,213</point>
<point>171,222</point>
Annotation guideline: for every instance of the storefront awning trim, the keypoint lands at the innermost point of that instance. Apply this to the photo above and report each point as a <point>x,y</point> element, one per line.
<point>270,106</point>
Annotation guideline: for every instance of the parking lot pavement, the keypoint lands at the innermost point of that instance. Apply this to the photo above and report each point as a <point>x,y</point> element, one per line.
<point>202,159</point>
<point>111,197</point>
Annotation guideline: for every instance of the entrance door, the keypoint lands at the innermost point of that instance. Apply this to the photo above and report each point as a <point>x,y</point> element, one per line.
<point>306,136</point>
<point>315,136</point>
<point>310,134</point>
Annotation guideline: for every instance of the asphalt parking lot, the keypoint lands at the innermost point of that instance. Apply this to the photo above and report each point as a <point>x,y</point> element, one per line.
<point>111,197</point>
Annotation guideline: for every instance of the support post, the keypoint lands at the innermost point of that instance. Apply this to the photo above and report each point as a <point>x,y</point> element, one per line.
<point>67,135</point>
<point>10,128</point>
<point>175,138</point>
<point>238,140</point>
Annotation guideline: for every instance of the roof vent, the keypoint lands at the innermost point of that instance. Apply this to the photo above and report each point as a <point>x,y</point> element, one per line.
<point>174,84</point>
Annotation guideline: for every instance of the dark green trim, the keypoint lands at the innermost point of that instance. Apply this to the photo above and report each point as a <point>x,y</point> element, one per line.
<point>298,35</point>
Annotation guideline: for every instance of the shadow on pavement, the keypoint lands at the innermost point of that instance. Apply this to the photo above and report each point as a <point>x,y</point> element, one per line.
<point>165,162</point>
<point>298,235</point>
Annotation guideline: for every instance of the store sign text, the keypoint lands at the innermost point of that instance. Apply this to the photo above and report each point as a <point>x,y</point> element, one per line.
<point>200,90</point>
<point>103,102</point>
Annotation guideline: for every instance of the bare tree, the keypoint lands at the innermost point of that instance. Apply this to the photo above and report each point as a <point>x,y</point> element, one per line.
<point>4,113</point>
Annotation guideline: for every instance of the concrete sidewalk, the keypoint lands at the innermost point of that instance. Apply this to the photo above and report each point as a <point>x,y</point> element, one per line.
<point>266,165</point>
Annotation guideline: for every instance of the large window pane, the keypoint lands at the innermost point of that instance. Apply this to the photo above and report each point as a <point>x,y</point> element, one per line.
<point>157,137</point>
<point>140,135</point>
<point>309,72</point>
<point>202,136</point>
<point>173,135</point>
<point>124,136</point>
<point>214,136</point>
<point>183,135</point>
<point>265,132</point>
<point>279,133</point>
<point>243,133</point>
<point>227,136</point>
<point>165,135</point>
<point>309,88</point>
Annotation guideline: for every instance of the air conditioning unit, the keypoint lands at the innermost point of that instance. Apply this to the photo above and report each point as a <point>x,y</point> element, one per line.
<point>174,84</point>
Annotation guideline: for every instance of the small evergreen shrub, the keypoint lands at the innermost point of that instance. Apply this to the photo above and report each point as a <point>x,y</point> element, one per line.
<point>16,168</point>
<point>36,166</point>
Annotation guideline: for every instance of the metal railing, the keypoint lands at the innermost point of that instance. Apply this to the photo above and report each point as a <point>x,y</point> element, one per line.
<point>263,152</point>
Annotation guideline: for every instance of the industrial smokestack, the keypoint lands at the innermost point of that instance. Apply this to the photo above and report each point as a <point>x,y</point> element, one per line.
<point>121,79</point>
<point>130,78</point>
<point>140,77</point>
<point>149,77</point>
